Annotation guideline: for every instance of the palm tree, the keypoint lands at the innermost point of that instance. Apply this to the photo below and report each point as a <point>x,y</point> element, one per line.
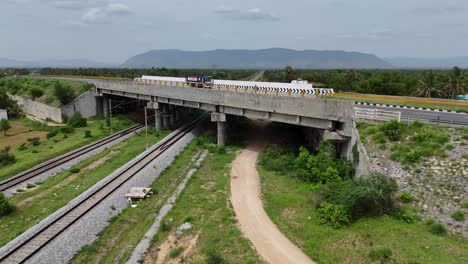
<point>428,86</point>
<point>456,83</point>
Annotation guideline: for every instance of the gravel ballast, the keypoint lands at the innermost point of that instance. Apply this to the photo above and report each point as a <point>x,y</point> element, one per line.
<point>85,230</point>
<point>67,165</point>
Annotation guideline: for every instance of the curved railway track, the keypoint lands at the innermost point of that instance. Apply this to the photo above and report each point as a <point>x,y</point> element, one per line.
<point>26,249</point>
<point>52,163</point>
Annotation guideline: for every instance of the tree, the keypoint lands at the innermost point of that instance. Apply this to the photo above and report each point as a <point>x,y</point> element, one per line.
<point>290,74</point>
<point>456,83</point>
<point>4,126</point>
<point>428,86</point>
<point>63,94</point>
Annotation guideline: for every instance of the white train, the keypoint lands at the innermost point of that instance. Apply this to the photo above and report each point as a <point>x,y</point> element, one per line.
<point>296,86</point>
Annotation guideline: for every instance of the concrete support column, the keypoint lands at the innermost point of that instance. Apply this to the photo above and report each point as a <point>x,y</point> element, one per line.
<point>157,119</point>
<point>165,118</point>
<point>105,106</point>
<point>171,116</point>
<point>177,113</point>
<point>220,119</point>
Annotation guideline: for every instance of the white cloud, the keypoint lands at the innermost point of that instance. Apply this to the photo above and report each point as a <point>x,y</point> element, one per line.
<point>94,16</point>
<point>249,14</point>
<point>118,9</point>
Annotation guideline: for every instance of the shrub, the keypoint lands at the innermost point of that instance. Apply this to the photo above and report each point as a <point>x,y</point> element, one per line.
<point>76,120</point>
<point>63,93</point>
<point>334,214</point>
<point>458,215</point>
<point>87,134</point>
<point>75,170</point>
<point>67,129</point>
<point>188,218</point>
<point>382,254</point>
<point>34,151</point>
<point>4,126</point>
<point>6,157</point>
<point>35,141</point>
<point>23,146</point>
<point>409,217</point>
<point>52,133</point>
<point>371,195</point>
<point>5,207</point>
<point>276,159</point>
<point>412,156</point>
<point>175,252</point>
<point>393,129</point>
<point>438,229</point>
<point>165,226</point>
<point>213,257</point>
<point>30,185</point>
<point>405,197</point>
<point>35,93</point>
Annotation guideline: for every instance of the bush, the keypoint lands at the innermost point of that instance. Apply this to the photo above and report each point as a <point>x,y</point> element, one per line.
<point>67,129</point>
<point>382,254</point>
<point>449,147</point>
<point>393,129</point>
<point>87,134</point>
<point>412,156</point>
<point>6,158</point>
<point>276,159</point>
<point>35,93</point>
<point>52,133</point>
<point>371,195</point>
<point>63,93</point>
<point>438,229</point>
<point>35,141</point>
<point>175,252</point>
<point>75,170</point>
<point>5,207</point>
<point>76,120</point>
<point>405,197</point>
<point>334,214</point>
<point>458,215</point>
<point>409,217</point>
<point>23,146</point>
<point>214,257</point>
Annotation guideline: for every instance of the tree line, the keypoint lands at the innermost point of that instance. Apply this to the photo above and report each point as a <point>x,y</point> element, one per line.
<point>423,83</point>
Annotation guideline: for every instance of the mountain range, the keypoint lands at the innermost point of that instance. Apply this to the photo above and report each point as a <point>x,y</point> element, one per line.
<point>273,58</point>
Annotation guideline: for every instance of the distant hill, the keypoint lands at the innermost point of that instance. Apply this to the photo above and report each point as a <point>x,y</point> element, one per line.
<point>426,63</point>
<point>71,63</point>
<point>253,59</point>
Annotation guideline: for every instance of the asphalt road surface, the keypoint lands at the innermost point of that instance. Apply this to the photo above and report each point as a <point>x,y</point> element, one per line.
<point>460,119</point>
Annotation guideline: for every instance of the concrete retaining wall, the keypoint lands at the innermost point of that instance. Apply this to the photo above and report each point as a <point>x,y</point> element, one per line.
<point>3,114</point>
<point>85,104</point>
<point>39,110</point>
<point>362,164</point>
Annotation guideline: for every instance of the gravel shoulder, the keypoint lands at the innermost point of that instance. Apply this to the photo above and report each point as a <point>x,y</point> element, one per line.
<point>269,242</point>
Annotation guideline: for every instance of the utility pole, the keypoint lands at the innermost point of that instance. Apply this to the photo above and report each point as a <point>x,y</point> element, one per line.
<point>110,116</point>
<point>146,127</point>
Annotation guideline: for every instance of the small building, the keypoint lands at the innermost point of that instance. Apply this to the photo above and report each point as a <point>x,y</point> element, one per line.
<point>3,114</point>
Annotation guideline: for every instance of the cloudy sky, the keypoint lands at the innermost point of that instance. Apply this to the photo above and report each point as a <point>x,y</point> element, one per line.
<point>113,30</point>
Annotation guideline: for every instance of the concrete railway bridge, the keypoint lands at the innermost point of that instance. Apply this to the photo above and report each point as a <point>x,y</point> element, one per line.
<point>331,120</point>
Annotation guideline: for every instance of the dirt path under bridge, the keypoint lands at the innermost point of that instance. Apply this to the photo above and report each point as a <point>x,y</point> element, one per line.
<point>269,242</point>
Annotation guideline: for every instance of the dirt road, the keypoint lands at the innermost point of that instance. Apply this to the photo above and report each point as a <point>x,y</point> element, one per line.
<point>269,242</point>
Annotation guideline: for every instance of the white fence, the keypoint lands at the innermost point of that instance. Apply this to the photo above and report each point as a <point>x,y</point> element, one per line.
<point>375,114</point>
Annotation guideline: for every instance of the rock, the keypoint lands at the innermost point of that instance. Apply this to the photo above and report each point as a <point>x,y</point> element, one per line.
<point>456,199</point>
<point>183,227</point>
<point>425,206</point>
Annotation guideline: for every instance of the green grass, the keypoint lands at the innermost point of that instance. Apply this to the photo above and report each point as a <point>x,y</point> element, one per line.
<point>417,141</point>
<point>203,203</point>
<point>38,203</point>
<point>57,145</point>
<point>290,204</point>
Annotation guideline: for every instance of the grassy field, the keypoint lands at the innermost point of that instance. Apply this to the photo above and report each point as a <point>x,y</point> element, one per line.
<point>290,204</point>
<point>35,204</point>
<point>23,129</point>
<point>204,203</point>
<point>460,106</point>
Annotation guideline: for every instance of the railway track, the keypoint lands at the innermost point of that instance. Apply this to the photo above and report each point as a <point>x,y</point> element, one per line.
<point>26,249</point>
<point>53,163</point>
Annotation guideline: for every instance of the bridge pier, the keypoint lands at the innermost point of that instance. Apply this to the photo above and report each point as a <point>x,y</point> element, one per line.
<point>172,116</point>
<point>157,119</point>
<point>165,116</point>
<point>220,119</point>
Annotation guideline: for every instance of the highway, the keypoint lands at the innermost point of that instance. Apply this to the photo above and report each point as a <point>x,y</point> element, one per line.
<point>460,119</point>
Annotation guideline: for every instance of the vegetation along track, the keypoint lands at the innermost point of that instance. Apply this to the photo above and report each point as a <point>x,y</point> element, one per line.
<point>53,163</point>
<point>24,250</point>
